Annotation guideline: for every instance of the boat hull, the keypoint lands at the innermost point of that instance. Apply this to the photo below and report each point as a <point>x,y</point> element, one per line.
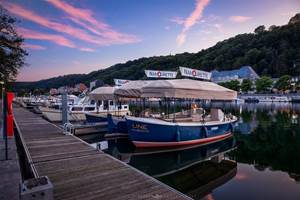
<point>54,115</point>
<point>158,133</point>
<point>102,116</point>
<point>94,118</point>
<point>116,124</point>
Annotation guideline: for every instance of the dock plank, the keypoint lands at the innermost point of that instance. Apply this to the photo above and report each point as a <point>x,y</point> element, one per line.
<point>79,171</point>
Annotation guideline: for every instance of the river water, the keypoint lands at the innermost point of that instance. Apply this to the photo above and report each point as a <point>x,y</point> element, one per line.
<point>261,161</point>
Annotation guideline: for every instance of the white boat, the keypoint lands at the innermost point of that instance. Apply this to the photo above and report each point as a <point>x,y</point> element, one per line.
<point>104,99</point>
<point>93,108</point>
<point>75,112</point>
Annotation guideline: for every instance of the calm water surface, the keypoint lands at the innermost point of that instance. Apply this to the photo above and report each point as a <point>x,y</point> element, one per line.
<point>261,161</point>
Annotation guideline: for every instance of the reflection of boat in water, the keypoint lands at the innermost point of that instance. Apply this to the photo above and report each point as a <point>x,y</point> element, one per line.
<point>200,179</point>
<point>193,170</point>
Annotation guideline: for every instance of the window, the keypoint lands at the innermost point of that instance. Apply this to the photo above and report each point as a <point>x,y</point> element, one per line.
<point>99,103</point>
<point>93,102</point>
<point>111,103</point>
<point>77,109</point>
<point>89,108</point>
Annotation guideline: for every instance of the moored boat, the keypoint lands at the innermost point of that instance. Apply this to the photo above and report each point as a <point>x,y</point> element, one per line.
<point>106,104</point>
<point>149,132</point>
<point>75,113</point>
<point>161,131</point>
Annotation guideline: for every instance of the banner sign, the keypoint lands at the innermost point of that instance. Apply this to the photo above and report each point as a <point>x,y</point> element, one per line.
<point>120,82</point>
<point>195,73</point>
<point>160,74</point>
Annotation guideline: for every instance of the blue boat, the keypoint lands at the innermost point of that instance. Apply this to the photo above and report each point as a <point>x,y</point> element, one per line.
<point>150,132</point>
<point>94,118</point>
<point>116,124</point>
<point>159,130</point>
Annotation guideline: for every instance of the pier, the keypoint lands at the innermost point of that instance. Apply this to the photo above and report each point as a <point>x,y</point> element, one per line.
<point>78,171</point>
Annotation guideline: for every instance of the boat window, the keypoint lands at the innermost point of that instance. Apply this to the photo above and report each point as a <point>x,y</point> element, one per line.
<point>111,103</point>
<point>125,107</point>
<point>77,109</point>
<point>93,102</point>
<point>89,108</point>
<point>105,105</point>
<point>99,102</point>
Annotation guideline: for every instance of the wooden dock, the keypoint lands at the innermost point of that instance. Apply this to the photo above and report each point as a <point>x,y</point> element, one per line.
<point>78,171</point>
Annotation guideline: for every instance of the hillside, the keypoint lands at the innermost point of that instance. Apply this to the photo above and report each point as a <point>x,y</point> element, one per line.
<point>274,52</point>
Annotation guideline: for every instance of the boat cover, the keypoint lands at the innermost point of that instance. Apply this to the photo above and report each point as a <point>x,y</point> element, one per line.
<point>132,89</point>
<point>102,93</point>
<point>187,89</point>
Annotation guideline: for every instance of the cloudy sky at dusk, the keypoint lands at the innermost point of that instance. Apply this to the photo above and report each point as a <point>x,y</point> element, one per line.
<point>71,36</point>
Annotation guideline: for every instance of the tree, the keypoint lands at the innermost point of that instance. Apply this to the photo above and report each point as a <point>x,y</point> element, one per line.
<point>12,55</point>
<point>272,27</point>
<point>246,85</point>
<point>284,83</point>
<point>233,85</point>
<point>260,29</point>
<point>263,84</point>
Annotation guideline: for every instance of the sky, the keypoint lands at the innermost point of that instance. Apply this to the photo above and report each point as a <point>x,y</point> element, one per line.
<point>80,36</point>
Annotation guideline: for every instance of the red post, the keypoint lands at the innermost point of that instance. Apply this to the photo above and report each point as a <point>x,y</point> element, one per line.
<point>10,117</point>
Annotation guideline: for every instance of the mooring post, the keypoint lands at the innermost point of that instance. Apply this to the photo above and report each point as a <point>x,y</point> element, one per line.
<point>64,108</point>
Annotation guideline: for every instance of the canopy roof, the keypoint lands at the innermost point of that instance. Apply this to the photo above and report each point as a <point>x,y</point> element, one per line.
<point>187,88</point>
<point>102,93</point>
<point>132,89</point>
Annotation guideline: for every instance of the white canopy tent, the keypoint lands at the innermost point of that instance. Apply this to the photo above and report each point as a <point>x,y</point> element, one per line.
<point>132,89</point>
<point>186,89</point>
<point>102,93</point>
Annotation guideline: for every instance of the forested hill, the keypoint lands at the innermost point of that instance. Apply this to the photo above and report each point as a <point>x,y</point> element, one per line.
<point>272,51</point>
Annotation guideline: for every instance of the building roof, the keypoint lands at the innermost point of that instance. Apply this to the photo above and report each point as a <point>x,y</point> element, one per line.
<point>245,72</point>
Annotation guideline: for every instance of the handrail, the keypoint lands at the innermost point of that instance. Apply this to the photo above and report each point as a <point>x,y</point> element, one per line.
<point>27,154</point>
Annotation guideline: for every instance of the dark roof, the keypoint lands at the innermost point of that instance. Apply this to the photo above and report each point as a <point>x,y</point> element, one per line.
<point>245,72</point>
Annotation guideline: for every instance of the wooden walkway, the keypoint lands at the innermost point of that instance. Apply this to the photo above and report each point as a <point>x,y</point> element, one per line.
<point>78,171</point>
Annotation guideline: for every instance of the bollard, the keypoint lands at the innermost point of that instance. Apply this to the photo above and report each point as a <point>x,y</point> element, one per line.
<point>10,117</point>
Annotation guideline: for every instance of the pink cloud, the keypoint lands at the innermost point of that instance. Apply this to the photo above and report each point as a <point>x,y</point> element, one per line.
<point>84,18</point>
<point>33,47</point>
<point>192,19</point>
<point>87,49</point>
<point>239,19</point>
<point>63,28</point>
<point>58,39</point>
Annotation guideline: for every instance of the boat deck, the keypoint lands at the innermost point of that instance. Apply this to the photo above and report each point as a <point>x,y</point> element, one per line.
<point>77,170</point>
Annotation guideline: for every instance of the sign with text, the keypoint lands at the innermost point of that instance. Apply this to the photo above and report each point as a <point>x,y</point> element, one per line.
<point>120,82</point>
<point>160,74</point>
<point>195,73</point>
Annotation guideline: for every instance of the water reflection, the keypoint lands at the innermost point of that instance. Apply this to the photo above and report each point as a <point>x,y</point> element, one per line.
<point>262,161</point>
<point>195,171</point>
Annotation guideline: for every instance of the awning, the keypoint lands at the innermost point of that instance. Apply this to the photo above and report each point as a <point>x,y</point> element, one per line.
<point>102,93</point>
<point>131,89</point>
<point>187,89</point>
